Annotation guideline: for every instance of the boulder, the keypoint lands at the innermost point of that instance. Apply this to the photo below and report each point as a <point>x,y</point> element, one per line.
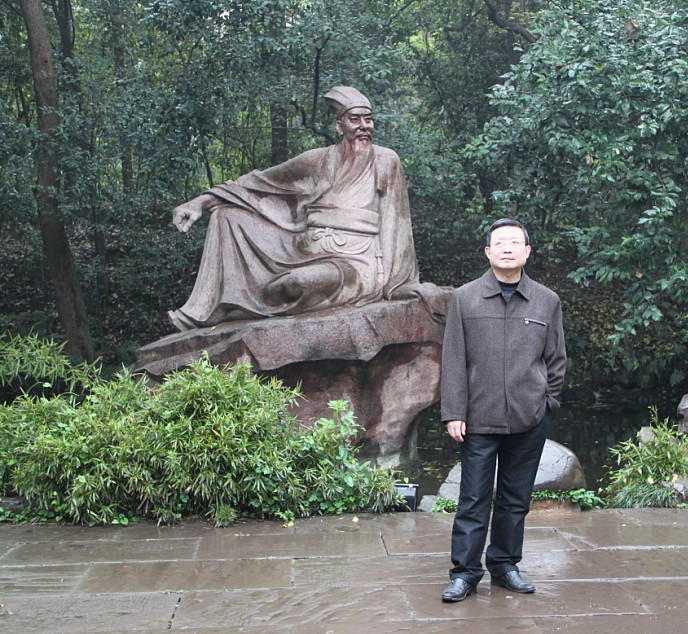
<point>559,469</point>
<point>384,359</point>
<point>680,485</point>
<point>682,411</point>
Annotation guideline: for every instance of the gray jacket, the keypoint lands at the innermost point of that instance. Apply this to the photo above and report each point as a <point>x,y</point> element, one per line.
<point>502,364</point>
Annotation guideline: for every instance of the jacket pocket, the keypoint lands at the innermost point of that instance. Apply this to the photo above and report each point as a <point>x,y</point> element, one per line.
<point>533,336</point>
<point>552,403</point>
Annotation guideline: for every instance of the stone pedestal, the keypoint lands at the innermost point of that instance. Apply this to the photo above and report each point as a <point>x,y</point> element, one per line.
<point>383,358</point>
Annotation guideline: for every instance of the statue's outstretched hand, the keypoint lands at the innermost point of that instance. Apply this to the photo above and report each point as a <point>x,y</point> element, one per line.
<point>186,214</point>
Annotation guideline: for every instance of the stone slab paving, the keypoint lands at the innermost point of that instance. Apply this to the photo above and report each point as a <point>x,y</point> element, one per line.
<point>622,571</point>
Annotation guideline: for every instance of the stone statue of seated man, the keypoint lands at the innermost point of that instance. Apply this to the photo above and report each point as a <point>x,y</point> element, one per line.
<point>330,227</point>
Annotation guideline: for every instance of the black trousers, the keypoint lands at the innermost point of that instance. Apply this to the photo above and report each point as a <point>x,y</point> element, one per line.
<point>516,458</point>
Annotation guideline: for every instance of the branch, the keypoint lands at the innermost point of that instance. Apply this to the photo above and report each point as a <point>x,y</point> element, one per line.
<point>393,17</point>
<point>472,12</point>
<point>12,7</point>
<point>306,121</point>
<point>498,19</point>
<point>316,75</point>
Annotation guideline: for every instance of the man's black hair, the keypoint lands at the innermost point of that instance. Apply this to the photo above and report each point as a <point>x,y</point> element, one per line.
<point>506,222</point>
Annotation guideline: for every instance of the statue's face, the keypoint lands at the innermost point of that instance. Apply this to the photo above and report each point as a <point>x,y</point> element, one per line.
<point>357,126</point>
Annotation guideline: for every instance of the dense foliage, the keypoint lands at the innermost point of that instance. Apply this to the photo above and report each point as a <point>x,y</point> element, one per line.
<point>642,469</point>
<point>593,129</point>
<point>583,136</point>
<point>208,441</point>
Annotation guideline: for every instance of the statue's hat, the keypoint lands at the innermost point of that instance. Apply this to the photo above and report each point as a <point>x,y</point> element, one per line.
<point>343,98</point>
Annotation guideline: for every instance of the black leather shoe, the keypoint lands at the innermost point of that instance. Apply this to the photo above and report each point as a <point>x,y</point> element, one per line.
<point>457,590</point>
<point>514,581</point>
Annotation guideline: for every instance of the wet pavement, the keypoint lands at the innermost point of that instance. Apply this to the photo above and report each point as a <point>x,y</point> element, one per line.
<point>597,571</point>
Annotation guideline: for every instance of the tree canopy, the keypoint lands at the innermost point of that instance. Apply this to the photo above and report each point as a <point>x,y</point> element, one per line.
<point>570,115</point>
<point>592,125</point>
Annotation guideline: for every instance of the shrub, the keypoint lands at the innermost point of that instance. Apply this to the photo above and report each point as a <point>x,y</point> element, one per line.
<point>444,505</point>
<point>586,500</point>
<point>641,472</point>
<point>35,365</point>
<point>640,495</point>
<point>208,440</point>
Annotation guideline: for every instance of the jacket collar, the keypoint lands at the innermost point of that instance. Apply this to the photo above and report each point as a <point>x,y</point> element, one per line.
<point>490,285</point>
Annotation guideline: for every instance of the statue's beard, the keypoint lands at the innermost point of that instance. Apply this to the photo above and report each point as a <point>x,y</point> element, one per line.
<point>361,145</point>
<point>355,159</point>
<point>357,150</point>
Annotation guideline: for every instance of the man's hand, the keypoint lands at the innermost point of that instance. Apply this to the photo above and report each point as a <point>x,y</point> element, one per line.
<point>187,213</point>
<point>457,429</point>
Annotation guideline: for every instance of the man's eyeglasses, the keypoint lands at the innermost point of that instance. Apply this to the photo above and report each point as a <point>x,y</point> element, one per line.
<point>501,244</point>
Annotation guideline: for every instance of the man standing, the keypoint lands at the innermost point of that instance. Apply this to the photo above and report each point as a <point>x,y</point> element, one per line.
<point>503,367</point>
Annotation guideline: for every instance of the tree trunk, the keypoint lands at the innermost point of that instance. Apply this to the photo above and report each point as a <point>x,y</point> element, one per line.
<point>70,305</point>
<point>278,123</point>
<point>276,21</point>
<point>117,23</point>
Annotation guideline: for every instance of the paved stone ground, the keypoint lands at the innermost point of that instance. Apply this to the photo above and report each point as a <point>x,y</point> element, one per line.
<point>597,571</point>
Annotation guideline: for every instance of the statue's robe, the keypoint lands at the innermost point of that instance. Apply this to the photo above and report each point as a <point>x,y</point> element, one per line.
<point>319,208</point>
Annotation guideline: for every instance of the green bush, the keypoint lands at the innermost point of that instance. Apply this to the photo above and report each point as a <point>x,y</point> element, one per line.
<point>207,441</point>
<point>444,505</point>
<point>34,365</point>
<point>640,495</point>
<point>585,499</point>
<point>641,473</point>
